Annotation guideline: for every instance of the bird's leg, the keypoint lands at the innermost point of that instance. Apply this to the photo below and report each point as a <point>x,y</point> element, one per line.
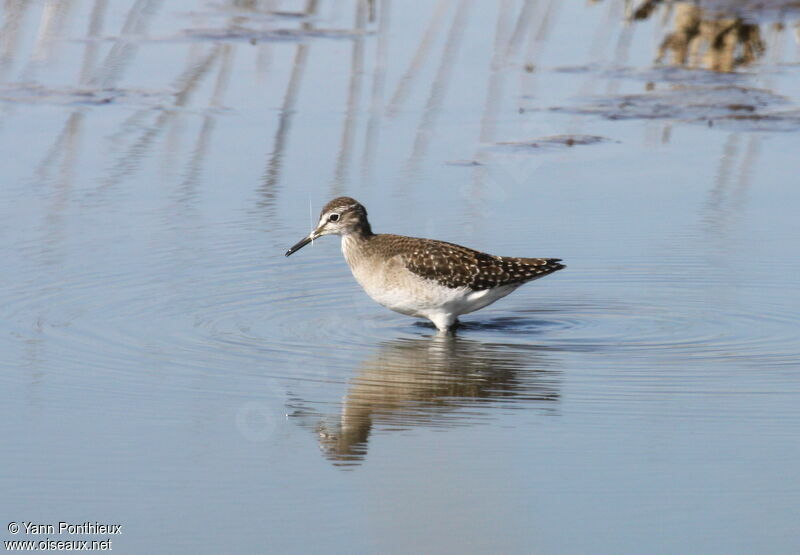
<point>444,322</point>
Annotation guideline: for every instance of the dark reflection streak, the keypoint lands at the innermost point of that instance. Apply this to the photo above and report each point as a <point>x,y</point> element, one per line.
<point>67,147</point>
<point>54,17</point>
<point>776,34</point>
<point>198,156</point>
<point>187,83</point>
<point>494,97</point>
<point>774,45</point>
<point>494,93</point>
<point>68,139</point>
<point>535,48</point>
<point>424,48</point>
<point>426,381</point>
<point>717,211</point>
<point>264,52</point>
<point>275,161</point>
<point>173,137</point>
<point>34,362</point>
<point>95,28</point>
<point>130,125</point>
<point>438,89</point>
<point>66,143</point>
<point>353,101</point>
<point>598,46</point>
<point>263,61</point>
<point>666,132</point>
<point>14,13</point>
<point>123,50</point>
<point>195,161</point>
<point>223,77</point>
<point>726,163</point>
<point>52,20</point>
<point>723,211</point>
<point>378,81</point>
<point>746,170</point>
<point>621,55</point>
<point>521,28</point>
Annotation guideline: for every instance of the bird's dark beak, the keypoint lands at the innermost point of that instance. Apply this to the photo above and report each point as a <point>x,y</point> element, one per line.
<point>302,243</point>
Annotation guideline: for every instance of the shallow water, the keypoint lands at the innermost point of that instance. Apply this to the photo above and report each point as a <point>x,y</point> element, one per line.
<point>166,368</point>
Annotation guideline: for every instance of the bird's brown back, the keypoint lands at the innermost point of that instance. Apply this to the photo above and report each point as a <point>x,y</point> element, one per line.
<point>454,266</point>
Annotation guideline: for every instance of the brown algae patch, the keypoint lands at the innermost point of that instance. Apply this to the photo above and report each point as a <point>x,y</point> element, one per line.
<point>551,142</point>
<point>750,108</point>
<point>34,93</point>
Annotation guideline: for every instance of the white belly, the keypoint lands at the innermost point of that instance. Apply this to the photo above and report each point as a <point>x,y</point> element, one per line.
<point>395,287</point>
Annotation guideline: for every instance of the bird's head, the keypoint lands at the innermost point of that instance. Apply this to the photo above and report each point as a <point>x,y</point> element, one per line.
<point>341,216</point>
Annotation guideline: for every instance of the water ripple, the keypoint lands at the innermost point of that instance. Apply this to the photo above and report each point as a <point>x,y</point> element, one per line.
<point>306,320</point>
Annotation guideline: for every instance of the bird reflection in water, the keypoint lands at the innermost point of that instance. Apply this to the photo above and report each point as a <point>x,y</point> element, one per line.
<point>425,381</point>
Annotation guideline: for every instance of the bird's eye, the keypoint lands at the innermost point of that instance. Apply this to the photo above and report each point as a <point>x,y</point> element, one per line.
<point>333,217</point>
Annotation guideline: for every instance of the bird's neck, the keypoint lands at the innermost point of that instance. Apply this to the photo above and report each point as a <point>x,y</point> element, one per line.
<point>354,244</point>
<point>362,230</point>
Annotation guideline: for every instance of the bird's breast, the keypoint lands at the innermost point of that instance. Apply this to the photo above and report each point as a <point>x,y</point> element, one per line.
<point>388,282</point>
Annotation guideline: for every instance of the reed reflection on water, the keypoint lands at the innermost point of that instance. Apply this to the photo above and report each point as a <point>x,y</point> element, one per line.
<point>716,35</point>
